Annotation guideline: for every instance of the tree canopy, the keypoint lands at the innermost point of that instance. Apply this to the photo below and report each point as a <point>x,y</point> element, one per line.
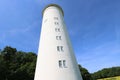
<point>19,65</point>
<point>85,74</point>
<point>106,72</point>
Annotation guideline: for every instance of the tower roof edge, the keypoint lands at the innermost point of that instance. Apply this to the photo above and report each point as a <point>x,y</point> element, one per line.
<point>53,5</point>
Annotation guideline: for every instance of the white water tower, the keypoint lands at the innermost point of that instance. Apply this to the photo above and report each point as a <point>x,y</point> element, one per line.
<point>56,60</point>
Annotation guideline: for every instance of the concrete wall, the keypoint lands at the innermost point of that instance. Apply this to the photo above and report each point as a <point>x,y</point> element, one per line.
<point>56,60</point>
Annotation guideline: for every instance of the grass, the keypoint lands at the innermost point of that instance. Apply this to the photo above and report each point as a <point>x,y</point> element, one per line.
<point>111,78</point>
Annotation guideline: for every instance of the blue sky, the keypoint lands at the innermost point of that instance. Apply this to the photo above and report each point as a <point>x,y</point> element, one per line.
<point>93,27</point>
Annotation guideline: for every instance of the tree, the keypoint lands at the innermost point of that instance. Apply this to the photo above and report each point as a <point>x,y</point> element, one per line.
<point>106,72</point>
<point>3,68</point>
<point>85,74</point>
<point>9,53</point>
<point>17,65</point>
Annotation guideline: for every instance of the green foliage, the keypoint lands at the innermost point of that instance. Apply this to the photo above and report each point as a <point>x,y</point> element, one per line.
<point>3,68</point>
<point>17,65</point>
<point>8,53</point>
<point>106,72</point>
<point>85,74</point>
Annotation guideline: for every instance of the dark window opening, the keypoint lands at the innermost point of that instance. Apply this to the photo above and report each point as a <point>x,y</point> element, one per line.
<point>56,23</point>
<point>60,64</point>
<point>57,29</point>
<point>56,18</point>
<point>60,48</point>
<point>64,63</point>
<point>58,37</point>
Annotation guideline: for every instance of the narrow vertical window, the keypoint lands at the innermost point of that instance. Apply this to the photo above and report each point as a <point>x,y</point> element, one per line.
<point>58,48</point>
<point>64,63</point>
<point>61,47</point>
<point>56,37</point>
<point>60,38</point>
<point>55,18</point>
<point>58,29</point>
<point>60,63</point>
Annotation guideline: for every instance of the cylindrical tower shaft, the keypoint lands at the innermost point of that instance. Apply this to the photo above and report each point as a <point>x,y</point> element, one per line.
<point>56,60</point>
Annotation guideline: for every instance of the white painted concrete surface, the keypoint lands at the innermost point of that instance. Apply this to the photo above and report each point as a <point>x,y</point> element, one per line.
<point>54,63</point>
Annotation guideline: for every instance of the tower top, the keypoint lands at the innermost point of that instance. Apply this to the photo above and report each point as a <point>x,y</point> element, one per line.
<point>55,5</point>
